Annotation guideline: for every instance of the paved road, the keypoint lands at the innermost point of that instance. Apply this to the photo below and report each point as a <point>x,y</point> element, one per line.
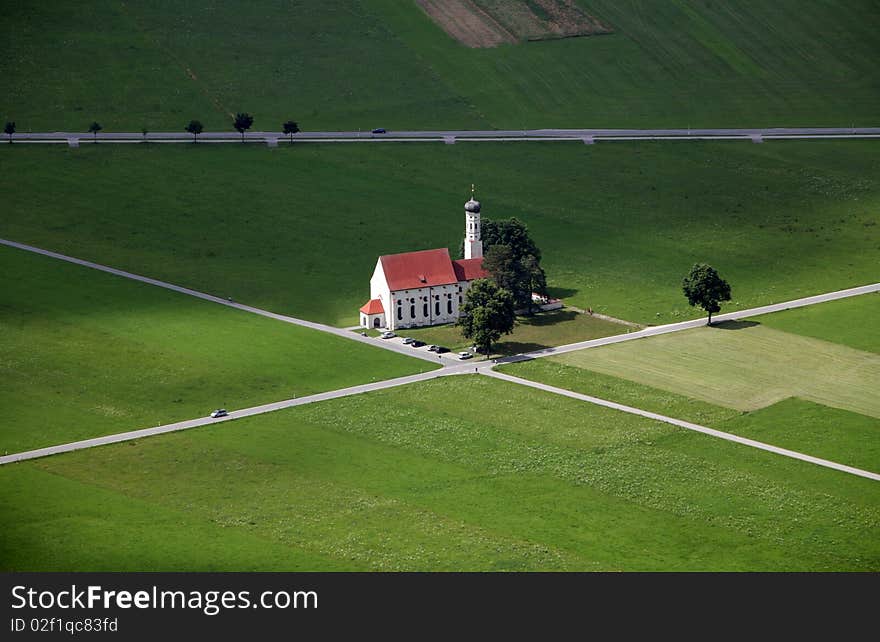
<point>451,366</point>
<point>451,136</point>
<point>695,323</point>
<point>340,332</point>
<point>236,414</point>
<point>687,425</point>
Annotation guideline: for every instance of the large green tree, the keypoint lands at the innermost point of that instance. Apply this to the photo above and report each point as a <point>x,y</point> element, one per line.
<point>94,128</point>
<point>513,259</point>
<point>512,232</point>
<point>487,313</point>
<point>705,288</point>
<point>195,128</point>
<point>9,129</point>
<point>242,122</point>
<point>290,128</point>
<point>508,272</point>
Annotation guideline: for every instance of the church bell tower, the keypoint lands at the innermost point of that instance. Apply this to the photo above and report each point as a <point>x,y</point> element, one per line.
<point>473,246</point>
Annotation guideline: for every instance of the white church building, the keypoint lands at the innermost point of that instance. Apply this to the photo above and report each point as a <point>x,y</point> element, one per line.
<point>426,287</point>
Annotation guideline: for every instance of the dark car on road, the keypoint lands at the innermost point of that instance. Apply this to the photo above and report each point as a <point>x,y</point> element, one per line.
<point>415,343</point>
<point>379,130</point>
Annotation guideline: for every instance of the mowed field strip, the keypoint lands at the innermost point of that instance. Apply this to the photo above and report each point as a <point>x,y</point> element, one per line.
<point>486,366</point>
<point>84,353</point>
<point>460,473</point>
<point>744,366</point>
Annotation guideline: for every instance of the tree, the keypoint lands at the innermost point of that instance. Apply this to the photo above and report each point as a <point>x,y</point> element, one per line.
<point>537,280</point>
<point>291,128</point>
<point>94,128</point>
<point>508,272</point>
<point>487,313</point>
<point>242,123</point>
<point>512,232</point>
<point>194,128</point>
<point>9,130</point>
<point>703,287</point>
<point>513,259</point>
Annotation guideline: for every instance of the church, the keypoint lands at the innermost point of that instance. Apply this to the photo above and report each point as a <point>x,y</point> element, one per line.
<point>426,287</point>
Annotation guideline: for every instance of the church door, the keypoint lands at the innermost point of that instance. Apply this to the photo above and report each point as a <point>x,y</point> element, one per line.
<point>376,322</point>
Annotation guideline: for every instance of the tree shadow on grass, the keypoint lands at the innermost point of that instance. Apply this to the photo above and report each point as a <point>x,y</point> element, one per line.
<point>548,318</point>
<point>509,348</point>
<point>561,293</point>
<point>735,325</point>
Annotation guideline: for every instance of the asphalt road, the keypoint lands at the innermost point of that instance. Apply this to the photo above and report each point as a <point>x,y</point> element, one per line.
<point>695,323</point>
<point>451,136</point>
<point>235,414</point>
<point>451,366</point>
<point>688,426</point>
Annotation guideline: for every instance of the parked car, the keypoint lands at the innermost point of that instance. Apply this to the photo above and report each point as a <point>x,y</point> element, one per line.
<point>433,348</point>
<point>379,130</point>
<point>387,335</point>
<point>417,344</point>
<point>441,350</point>
<point>220,412</point>
<point>465,355</point>
<point>407,340</point>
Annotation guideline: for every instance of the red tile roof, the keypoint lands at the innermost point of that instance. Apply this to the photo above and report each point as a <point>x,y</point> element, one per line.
<point>373,306</point>
<point>412,270</point>
<point>469,269</point>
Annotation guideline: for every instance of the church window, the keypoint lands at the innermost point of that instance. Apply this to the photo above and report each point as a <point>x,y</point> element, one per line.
<point>425,313</point>
<point>437,308</point>
<point>399,313</point>
<point>459,300</point>
<point>412,312</point>
<point>448,306</point>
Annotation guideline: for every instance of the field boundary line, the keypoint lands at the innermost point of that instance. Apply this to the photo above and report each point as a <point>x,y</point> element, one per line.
<point>340,332</point>
<point>236,414</point>
<point>686,425</point>
<point>694,323</point>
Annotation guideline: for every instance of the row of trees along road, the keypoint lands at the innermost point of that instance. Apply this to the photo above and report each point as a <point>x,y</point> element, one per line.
<point>242,122</point>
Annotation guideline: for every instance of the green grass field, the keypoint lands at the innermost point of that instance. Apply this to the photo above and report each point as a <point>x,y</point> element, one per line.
<point>84,353</point>
<point>299,230</point>
<point>743,365</point>
<point>541,330</point>
<point>667,64</point>
<point>811,428</point>
<point>465,473</point>
<point>852,321</point>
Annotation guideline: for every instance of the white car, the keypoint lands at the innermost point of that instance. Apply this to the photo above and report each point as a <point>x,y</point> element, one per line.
<point>220,412</point>
<point>465,355</point>
<point>387,335</point>
<point>407,340</point>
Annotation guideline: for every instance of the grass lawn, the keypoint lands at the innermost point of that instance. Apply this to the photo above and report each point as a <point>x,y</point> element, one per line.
<point>84,353</point>
<point>667,64</point>
<point>743,365</point>
<point>838,435</point>
<point>541,330</point>
<point>299,230</point>
<point>463,473</point>
<point>852,321</point>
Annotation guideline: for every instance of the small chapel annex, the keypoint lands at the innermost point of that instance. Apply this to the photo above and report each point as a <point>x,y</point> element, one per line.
<point>425,287</point>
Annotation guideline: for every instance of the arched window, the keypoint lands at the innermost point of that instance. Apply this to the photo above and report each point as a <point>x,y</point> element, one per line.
<point>412,312</point>
<point>399,313</point>
<point>448,306</point>
<point>425,313</point>
<point>437,308</point>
